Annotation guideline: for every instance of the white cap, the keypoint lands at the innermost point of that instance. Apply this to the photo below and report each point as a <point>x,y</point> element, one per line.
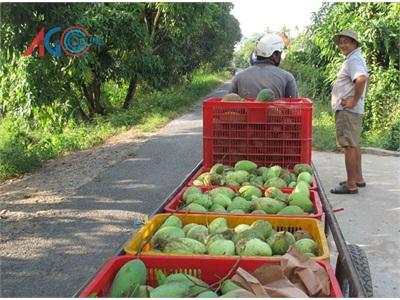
<point>268,44</point>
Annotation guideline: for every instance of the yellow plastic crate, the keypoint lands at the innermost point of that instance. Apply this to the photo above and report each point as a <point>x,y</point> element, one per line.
<point>314,227</point>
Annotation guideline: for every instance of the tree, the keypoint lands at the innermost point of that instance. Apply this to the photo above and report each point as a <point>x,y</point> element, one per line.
<point>153,44</point>
<point>242,56</point>
<point>377,25</point>
<point>184,37</point>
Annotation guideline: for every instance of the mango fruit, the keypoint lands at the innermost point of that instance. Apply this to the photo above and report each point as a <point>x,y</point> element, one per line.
<point>191,190</point>
<point>306,246</point>
<point>229,286</point>
<point>248,191</point>
<point>221,247</point>
<point>184,246</point>
<point>218,225</point>
<point>232,97</point>
<point>245,165</point>
<point>128,280</point>
<point>172,221</point>
<point>170,290</point>
<point>256,247</point>
<point>265,95</point>
<point>164,235</point>
<point>291,210</point>
<point>263,227</point>
<point>280,242</point>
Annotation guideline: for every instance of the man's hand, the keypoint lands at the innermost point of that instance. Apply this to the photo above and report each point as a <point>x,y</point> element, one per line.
<point>348,103</point>
<point>359,85</point>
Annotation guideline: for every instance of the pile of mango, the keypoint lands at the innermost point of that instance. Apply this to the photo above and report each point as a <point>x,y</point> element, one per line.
<point>246,172</point>
<point>249,199</point>
<point>216,238</point>
<point>130,282</point>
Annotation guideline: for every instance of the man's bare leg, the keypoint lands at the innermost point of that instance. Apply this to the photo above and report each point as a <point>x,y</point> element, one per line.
<point>350,159</point>
<point>359,177</point>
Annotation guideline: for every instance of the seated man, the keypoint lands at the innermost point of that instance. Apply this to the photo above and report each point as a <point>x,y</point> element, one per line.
<point>265,72</point>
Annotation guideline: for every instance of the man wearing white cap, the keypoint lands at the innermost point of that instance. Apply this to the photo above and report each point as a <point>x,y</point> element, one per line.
<point>265,73</point>
<point>347,101</point>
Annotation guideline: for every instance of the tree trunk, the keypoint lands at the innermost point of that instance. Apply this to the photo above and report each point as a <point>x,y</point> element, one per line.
<point>92,94</point>
<point>96,91</point>
<point>83,115</point>
<point>131,93</point>
<point>89,99</point>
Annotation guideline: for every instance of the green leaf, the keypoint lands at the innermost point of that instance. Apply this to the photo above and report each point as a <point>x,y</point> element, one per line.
<point>161,277</point>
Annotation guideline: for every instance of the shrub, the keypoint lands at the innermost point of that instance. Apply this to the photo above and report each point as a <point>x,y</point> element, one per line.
<point>16,155</point>
<point>392,138</point>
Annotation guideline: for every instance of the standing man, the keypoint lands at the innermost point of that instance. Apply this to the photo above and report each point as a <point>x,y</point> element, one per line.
<point>348,104</point>
<point>265,72</point>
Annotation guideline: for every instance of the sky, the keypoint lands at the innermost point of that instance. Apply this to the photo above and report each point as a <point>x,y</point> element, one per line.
<point>255,16</point>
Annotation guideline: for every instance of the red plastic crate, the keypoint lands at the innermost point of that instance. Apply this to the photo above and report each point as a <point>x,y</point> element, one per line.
<point>172,205</point>
<point>209,270</point>
<point>263,132</point>
<point>314,185</point>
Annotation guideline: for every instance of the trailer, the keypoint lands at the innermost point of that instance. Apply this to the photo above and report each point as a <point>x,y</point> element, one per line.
<point>352,268</point>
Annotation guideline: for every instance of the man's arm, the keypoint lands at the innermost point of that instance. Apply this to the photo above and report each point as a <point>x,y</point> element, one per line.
<point>291,89</point>
<point>359,85</point>
<point>234,86</point>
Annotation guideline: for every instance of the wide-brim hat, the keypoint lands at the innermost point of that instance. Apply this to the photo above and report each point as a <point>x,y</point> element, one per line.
<point>348,33</point>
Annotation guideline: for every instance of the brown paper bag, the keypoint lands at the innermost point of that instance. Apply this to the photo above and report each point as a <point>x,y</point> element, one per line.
<point>305,273</point>
<point>249,282</point>
<point>297,276</point>
<point>275,283</point>
<point>267,281</point>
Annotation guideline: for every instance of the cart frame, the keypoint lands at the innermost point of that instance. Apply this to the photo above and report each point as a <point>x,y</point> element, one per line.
<point>346,271</point>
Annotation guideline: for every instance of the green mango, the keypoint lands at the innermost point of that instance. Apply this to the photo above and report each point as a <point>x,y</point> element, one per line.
<point>207,294</point>
<point>172,221</point>
<point>128,279</point>
<point>265,95</point>
<point>170,290</point>
<point>245,165</point>
<point>229,286</point>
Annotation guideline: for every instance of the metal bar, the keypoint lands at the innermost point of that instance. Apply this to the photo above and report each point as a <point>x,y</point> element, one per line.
<point>331,225</point>
<point>348,268</point>
<point>160,209</point>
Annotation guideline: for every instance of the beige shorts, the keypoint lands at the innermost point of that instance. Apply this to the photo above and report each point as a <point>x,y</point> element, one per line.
<point>348,128</point>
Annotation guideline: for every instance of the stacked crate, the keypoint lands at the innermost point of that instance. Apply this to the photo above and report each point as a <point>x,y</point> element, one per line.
<point>277,133</point>
<point>267,133</point>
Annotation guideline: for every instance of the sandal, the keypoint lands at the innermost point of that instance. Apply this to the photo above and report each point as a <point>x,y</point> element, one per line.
<point>362,184</point>
<point>343,189</point>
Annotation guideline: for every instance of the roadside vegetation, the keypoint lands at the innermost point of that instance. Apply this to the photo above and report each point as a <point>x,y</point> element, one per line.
<point>23,149</point>
<point>156,61</point>
<point>314,60</point>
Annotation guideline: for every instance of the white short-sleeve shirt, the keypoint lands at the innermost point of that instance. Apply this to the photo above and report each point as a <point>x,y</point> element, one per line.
<point>353,67</point>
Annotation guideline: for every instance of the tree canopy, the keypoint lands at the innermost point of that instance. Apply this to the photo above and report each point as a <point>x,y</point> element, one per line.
<point>151,44</point>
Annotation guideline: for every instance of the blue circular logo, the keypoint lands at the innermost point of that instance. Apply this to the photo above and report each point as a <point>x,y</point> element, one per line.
<point>74,41</point>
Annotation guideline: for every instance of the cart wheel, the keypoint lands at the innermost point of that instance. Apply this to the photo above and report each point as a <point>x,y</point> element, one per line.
<point>360,261</point>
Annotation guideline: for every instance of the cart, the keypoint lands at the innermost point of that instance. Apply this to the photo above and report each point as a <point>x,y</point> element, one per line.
<point>352,268</point>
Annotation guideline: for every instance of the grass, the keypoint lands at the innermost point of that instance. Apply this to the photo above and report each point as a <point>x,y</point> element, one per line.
<point>22,150</point>
<point>324,129</point>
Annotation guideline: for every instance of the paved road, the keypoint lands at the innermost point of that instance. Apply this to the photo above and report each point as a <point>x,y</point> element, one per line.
<point>99,217</point>
<point>90,226</point>
<point>371,219</point>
